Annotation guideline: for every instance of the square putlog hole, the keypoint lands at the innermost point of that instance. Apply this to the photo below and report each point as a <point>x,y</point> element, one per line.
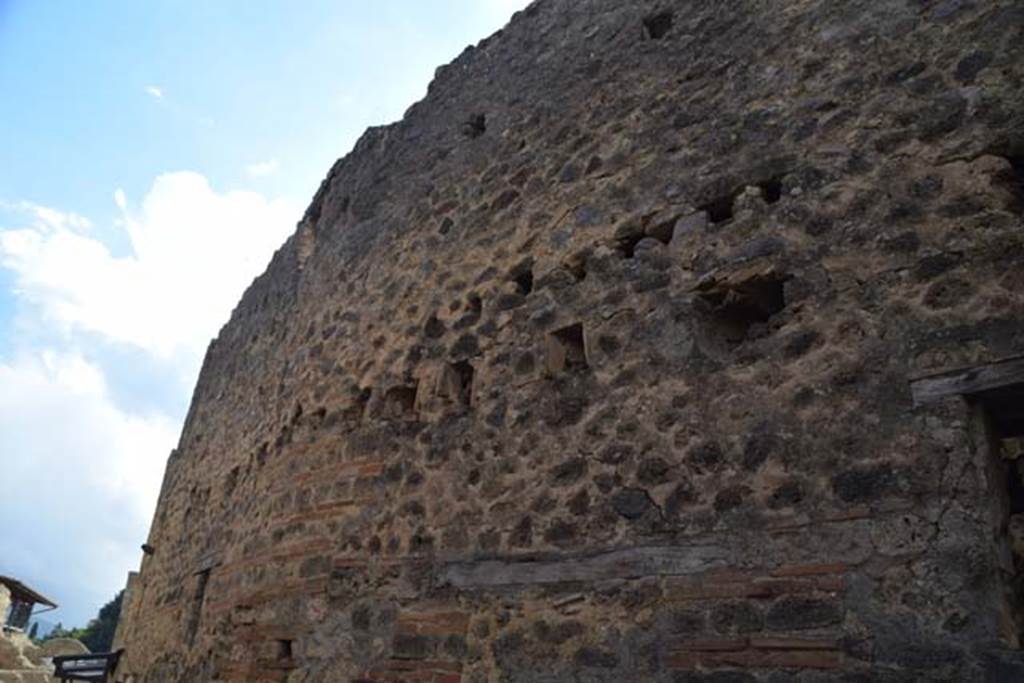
<point>719,210</point>
<point>455,383</point>
<point>771,190</point>
<point>400,402</point>
<point>657,26</point>
<point>1016,182</point>
<point>737,306</point>
<point>566,350</point>
<point>523,278</point>
<point>474,126</point>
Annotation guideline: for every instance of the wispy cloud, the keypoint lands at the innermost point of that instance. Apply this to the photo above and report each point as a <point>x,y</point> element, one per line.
<point>260,169</point>
<point>151,298</point>
<point>46,218</point>
<point>176,108</point>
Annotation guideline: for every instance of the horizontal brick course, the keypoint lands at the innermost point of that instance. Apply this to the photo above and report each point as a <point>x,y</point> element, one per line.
<point>365,467</point>
<point>756,654</point>
<point>434,623</point>
<point>314,586</point>
<point>810,569</point>
<point>420,671</point>
<point>784,643</point>
<point>722,585</point>
<point>329,510</point>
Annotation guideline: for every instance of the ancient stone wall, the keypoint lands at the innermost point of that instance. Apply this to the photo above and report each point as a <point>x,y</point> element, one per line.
<point>127,600</point>
<point>19,656</point>
<point>5,601</point>
<point>595,367</point>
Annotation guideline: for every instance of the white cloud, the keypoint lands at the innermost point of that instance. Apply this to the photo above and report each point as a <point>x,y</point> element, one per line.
<point>194,251</point>
<point>262,168</point>
<point>81,479</point>
<point>177,109</point>
<point>58,424</point>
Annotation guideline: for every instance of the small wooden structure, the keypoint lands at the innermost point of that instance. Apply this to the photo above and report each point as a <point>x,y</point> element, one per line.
<point>98,666</point>
<point>23,601</point>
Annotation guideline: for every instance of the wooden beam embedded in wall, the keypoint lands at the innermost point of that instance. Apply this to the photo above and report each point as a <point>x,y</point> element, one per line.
<point>966,381</point>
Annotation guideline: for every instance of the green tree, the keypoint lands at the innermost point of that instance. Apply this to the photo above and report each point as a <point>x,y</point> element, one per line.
<point>60,632</point>
<point>98,636</point>
<point>33,631</point>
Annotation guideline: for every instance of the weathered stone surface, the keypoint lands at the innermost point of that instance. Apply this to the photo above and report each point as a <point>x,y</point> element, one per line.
<point>56,647</point>
<point>18,654</point>
<point>24,676</point>
<point>597,365</point>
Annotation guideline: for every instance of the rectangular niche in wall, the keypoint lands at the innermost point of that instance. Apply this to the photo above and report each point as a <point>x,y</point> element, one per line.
<point>195,607</point>
<point>566,350</point>
<point>455,383</point>
<point>995,396</point>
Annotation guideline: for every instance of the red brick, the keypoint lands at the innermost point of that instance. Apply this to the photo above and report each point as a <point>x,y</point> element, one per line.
<point>350,563</point>
<point>816,657</point>
<point>809,569</point>
<point>699,589</point>
<point>783,522</point>
<point>713,644</point>
<point>434,623</point>
<point>735,583</point>
<point>417,677</point>
<point>298,550</point>
<point>425,665</point>
<point>770,587</point>
<point>801,659</point>
<point>260,632</point>
<point>363,467</point>
<point>313,586</point>
<point>683,660</point>
<point>783,643</point>
<point>831,584</point>
<point>763,659</point>
<point>729,575</point>
<point>251,674</point>
<point>338,508</point>
<point>854,513</point>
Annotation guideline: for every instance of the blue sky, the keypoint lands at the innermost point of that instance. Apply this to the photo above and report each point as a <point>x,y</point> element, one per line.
<point>152,156</point>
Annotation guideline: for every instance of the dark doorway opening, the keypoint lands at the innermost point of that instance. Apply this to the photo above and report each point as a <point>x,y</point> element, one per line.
<point>995,394</point>
<point>999,414</point>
